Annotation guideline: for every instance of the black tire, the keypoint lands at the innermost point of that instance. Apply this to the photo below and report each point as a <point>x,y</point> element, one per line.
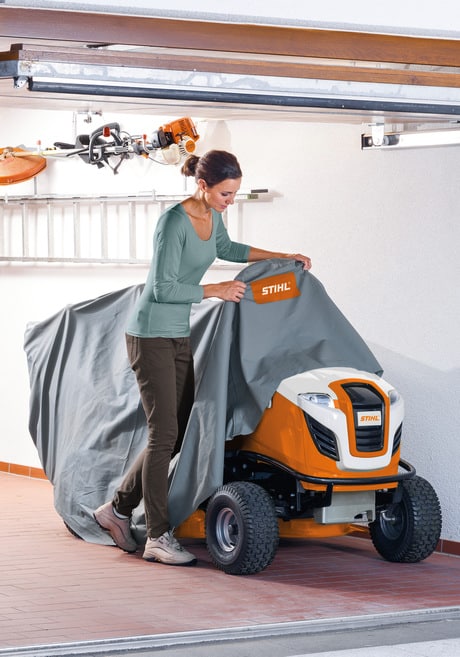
<point>69,529</point>
<point>408,532</point>
<point>241,528</point>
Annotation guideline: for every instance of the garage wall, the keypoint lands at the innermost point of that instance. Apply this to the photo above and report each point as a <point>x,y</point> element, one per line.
<point>381,227</point>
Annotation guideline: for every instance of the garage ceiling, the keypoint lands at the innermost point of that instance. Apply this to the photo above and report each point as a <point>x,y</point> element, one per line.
<point>97,62</point>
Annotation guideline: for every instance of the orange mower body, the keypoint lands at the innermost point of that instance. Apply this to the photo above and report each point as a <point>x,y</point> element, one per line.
<point>323,461</point>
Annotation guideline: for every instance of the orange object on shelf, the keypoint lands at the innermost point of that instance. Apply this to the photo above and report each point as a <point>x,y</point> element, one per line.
<point>17,165</point>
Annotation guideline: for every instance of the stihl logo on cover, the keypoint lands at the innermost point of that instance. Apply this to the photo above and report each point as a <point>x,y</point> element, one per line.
<point>275,288</point>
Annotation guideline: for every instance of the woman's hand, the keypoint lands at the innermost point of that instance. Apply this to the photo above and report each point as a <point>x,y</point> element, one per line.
<point>305,260</point>
<point>227,290</point>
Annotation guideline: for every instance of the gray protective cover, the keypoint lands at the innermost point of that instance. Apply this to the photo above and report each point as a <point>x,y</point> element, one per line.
<point>85,415</point>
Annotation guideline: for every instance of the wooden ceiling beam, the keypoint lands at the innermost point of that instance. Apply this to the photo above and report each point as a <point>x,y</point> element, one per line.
<point>332,70</point>
<point>103,28</point>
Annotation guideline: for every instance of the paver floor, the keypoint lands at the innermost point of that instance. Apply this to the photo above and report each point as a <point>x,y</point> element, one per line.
<point>56,588</point>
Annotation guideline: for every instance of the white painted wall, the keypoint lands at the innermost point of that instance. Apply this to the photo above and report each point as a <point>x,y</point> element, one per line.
<point>382,229</point>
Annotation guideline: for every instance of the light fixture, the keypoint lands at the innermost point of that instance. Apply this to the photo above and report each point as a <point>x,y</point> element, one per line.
<point>379,139</point>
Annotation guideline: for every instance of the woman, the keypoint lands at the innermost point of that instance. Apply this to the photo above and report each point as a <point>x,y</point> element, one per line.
<point>188,238</point>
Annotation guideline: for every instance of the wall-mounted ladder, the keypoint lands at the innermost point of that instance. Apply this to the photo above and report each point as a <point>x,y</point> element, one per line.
<point>84,229</point>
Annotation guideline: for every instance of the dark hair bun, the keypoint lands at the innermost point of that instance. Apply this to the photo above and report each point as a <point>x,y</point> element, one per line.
<point>189,166</point>
<point>213,167</point>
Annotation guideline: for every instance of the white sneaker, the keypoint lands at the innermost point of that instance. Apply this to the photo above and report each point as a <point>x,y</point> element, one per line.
<point>118,528</point>
<point>167,549</point>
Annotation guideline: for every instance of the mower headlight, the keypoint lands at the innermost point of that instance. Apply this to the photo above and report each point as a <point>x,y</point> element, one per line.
<point>320,398</point>
<point>394,396</point>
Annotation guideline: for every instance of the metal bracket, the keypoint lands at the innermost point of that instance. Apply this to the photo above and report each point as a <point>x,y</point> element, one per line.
<point>20,81</point>
<point>377,133</point>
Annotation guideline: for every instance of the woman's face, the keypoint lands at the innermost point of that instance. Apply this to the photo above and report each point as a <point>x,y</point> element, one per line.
<point>220,196</point>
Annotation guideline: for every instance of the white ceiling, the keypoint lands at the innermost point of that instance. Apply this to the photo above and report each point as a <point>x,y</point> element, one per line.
<point>410,17</point>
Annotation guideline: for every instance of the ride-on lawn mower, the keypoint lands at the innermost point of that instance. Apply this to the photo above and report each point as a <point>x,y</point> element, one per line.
<point>293,433</point>
<point>323,461</point>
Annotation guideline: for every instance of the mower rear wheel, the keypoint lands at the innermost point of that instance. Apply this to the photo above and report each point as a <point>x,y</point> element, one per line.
<point>69,529</point>
<point>241,528</point>
<point>408,531</point>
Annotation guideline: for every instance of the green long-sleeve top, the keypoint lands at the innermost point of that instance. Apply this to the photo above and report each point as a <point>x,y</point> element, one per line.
<point>180,260</point>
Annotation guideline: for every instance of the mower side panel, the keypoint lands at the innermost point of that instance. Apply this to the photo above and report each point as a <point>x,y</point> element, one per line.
<point>194,527</point>
<point>308,528</point>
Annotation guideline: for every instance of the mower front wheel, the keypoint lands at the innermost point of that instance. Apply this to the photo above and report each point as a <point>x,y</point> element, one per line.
<point>408,531</point>
<point>241,528</point>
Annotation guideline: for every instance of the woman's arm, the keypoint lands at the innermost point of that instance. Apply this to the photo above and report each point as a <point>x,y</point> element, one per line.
<point>261,254</point>
<point>227,290</point>
<point>229,250</point>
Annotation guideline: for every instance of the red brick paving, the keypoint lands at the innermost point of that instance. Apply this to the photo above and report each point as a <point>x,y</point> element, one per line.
<point>55,588</point>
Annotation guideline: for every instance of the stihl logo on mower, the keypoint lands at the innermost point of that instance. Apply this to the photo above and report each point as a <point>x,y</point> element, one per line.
<point>369,419</point>
<point>275,288</point>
